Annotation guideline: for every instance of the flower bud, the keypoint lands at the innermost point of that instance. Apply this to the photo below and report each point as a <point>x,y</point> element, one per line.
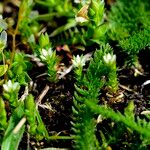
<point>44,40</point>
<point>109,58</point>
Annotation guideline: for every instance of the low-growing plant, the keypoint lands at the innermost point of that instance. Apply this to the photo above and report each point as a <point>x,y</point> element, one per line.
<point>38,36</point>
<point>101,68</point>
<point>134,44</point>
<point>13,73</point>
<point>36,126</point>
<point>86,101</point>
<point>129,23</point>
<point>87,26</point>
<point>126,17</point>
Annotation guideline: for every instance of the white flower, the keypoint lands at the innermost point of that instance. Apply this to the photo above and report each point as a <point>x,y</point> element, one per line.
<point>109,58</point>
<point>78,61</point>
<point>11,87</point>
<point>46,53</point>
<point>77,1</point>
<point>81,19</point>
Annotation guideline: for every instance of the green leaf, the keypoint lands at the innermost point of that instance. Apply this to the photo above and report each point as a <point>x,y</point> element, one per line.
<point>11,140</point>
<point>3,69</point>
<point>129,110</point>
<point>63,28</point>
<point>100,31</point>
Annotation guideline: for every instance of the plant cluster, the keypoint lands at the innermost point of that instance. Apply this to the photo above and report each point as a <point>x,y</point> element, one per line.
<point>129,23</point>
<point>79,25</point>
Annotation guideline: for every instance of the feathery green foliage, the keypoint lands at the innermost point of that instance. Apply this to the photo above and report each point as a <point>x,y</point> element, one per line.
<point>141,125</point>
<point>135,43</point>
<point>127,17</point>
<point>88,88</point>
<point>44,29</point>
<point>129,23</point>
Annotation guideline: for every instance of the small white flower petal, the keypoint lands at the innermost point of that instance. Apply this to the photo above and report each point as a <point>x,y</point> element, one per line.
<point>80,19</point>
<point>109,58</point>
<point>78,61</point>
<point>9,84</point>
<point>77,1</point>
<point>105,58</point>
<point>10,87</point>
<point>50,52</point>
<point>6,88</point>
<point>114,58</point>
<point>15,86</point>
<point>42,57</point>
<point>44,52</point>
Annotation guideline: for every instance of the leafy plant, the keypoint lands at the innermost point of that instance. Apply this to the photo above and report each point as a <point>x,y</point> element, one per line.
<point>134,44</point>
<point>49,57</point>
<point>11,91</point>
<point>19,69</point>
<point>140,126</point>
<point>87,27</point>
<point>129,22</point>
<point>127,17</point>
<point>87,88</point>
<point>13,135</point>
<point>37,127</point>
<point>37,34</point>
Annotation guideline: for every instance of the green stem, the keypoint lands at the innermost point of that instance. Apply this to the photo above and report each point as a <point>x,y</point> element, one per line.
<point>42,3</point>
<point>55,137</point>
<point>46,16</point>
<point>14,37</point>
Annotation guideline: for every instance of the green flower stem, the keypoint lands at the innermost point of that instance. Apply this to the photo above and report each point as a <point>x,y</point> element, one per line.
<point>78,72</point>
<point>46,16</point>
<point>56,137</point>
<point>20,17</point>
<point>112,79</point>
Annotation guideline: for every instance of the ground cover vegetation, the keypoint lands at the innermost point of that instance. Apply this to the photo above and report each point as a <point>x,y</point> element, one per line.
<point>74,74</point>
